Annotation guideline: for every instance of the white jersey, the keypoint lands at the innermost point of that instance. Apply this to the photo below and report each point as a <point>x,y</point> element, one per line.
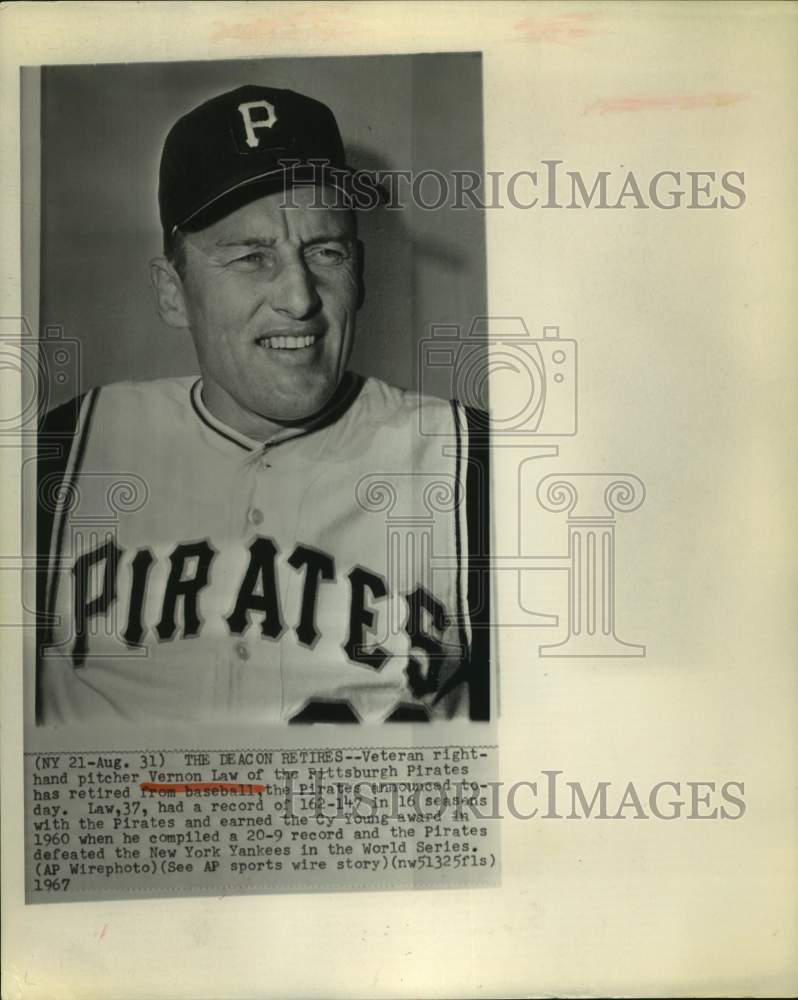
<point>195,574</point>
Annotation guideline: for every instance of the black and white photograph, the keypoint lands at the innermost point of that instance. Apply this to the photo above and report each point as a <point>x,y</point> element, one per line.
<point>234,524</point>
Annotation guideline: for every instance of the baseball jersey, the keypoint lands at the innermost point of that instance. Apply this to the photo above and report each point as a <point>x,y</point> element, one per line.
<point>336,573</point>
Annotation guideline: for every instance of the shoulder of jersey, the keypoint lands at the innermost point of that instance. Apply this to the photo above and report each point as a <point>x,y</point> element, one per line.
<point>382,403</point>
<point>173,387</point>
<point>155,397</point>
<point>378,405</point>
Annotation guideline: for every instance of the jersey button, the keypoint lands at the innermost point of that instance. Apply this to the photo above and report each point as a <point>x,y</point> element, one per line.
<point>242,651</point>
<point>255,515</point>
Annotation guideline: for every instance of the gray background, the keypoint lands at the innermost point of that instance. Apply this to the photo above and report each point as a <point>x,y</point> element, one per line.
<point>102,132</point>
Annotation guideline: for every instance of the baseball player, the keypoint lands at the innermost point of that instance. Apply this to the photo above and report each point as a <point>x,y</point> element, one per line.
<point>279,539</point>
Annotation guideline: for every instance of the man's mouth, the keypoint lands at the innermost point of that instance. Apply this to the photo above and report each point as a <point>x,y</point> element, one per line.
<point>287,343</point>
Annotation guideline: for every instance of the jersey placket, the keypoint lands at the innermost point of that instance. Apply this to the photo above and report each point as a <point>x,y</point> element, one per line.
<point>254,658</point>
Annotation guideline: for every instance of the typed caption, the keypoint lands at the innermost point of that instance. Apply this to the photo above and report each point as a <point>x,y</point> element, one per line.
<point>124,824</point>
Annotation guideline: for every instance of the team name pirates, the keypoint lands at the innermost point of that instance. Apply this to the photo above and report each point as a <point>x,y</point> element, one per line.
<point>257,602</point>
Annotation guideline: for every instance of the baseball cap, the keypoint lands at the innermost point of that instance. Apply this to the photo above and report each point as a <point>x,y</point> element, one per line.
<point>241,145</point>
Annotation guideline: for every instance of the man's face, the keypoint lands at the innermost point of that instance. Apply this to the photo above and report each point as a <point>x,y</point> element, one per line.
<point>270,294</point>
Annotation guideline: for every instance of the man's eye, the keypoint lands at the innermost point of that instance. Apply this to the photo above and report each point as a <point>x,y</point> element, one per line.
<point>251,261</point>
<point>327,254</point>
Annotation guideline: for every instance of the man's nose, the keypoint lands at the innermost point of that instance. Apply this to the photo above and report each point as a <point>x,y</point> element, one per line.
<point>293,291</point>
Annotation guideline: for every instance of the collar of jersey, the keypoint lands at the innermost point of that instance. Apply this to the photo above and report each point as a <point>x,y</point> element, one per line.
<point>348,390</point>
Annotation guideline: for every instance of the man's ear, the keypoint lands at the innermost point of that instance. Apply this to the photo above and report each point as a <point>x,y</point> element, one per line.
<point>168,290</point>
<point>361,286</point>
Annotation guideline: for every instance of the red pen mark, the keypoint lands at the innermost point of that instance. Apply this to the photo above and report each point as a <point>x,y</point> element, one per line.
<point>102,932</point>
<point>674,102</point>
<point>155,788</point>
<point>560,28</point>
<point>323,21</point>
